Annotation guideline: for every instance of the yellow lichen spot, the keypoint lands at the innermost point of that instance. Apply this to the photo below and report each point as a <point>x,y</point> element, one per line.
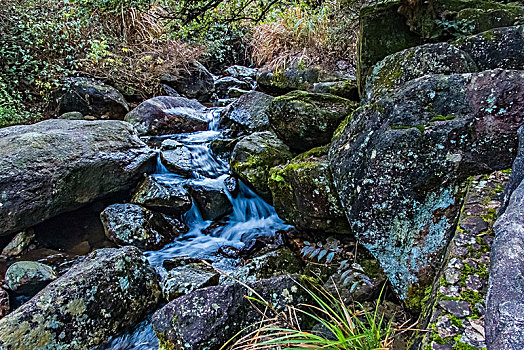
<point>76,307</point>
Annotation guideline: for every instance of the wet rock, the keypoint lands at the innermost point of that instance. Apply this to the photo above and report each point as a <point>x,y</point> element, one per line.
<point>109,291</point>
<point>346,88</point>
<point>266,264</point>
<point>165,115</point>
<point>305,196</point>
<point>195,81</point>
<point>236,92</point>
<point>130,224</point>
<point>496,48</point>
<point>163,195</point>
<point>295,77</point>
<point>223,147</point>
<point>72,116</point>
<point>178,160</point>
<point>224,84</point>
<point>210,198</point>
<point>209,317</point>
<point>91,97</point>
<point>28,277</point>
<point>5,306</point>
<point>474,225</point>
<point>70,163</point>
<point>399,68</point>
<point>247,115</point>
<point>253,157</point>
<point>305,120</point>
<point>186,278</point>
<point>241,72</point>
<point>432,134</point>
<point>19,243</point>
<point>383,31</point>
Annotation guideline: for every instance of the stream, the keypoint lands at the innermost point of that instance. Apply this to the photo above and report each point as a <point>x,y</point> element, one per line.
<point>251,217</point>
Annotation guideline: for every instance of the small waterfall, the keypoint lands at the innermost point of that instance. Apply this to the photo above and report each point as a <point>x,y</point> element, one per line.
<point>159,167</point>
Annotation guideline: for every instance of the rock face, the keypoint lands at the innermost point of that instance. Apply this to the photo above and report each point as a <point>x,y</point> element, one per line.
<point>224,85</point>
<point>397,69</point>
<point>186,277</point>
<point>110,290</point>
<point>432,134</point>
<point>253,157</point>
<point>505,306</point>
<point>56,166</point>
<point>305,196</point>
<point>193,82</point>
<point>91,97</point>
<point>28,277</point>
<point>168,115</point>
<point>246,115</point>
<point>305,120</point>
<point>496,48</point>
<point>209,317</point>
<point>131,224</point>
<point>157,194</point>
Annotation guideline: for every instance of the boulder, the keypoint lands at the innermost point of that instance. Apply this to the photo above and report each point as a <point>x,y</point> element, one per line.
<point>187,277</point>
<point>210,198</point>
<point>104,294</point>
<point>246,115</point>
<point>224,84</point>
<point>304,194</point>
<point>400,164</point>
<point>253,157</point>
<point>168,115</point>
<point>383,31</point>
<point>505,303</point>
<point>193,81</point>
<point>207,318</point>
<point>345,88</point>
<point>131,224</point>
<point>168,196</point>
<point>399,68</point>
<point>241,72</point>
<point>72,116</point>
<point>294,77</point>
<point>92,97</point>
<point>19,243</point>
<point>57,166</point>
<point>496,48</point>
<point>305,120</point>
<point>28,277</point>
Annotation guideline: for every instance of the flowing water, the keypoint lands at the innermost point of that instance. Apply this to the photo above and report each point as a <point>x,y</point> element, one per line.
<point>251,216</point>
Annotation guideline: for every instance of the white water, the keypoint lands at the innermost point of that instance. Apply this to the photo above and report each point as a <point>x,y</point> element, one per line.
<point>251,216</point>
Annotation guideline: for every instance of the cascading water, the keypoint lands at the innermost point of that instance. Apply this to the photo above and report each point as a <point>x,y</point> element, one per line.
<point>251,216</point>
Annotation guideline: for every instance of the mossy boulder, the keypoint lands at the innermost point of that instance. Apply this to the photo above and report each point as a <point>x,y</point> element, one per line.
<point>496,48</point>
<point>207,318</point>
<point>253,157</point>
<point>344,88</point>
<point>28,277</point>
<point>160,194</point>
<point>131,224</point>
<point>57,166</point>
<point>399,165</point>
<point>163,115</point>
<point>246,115</point>
<point>304,120</point>
<point>94,98</point>
<point>383,31</point>
<point>186,275</point>
<point>294,77</point>
<point>399,68</point>
<point>304,194</point>
<point>107,292</point>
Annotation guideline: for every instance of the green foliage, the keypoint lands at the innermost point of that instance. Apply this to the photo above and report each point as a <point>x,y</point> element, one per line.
<point>11,109</point>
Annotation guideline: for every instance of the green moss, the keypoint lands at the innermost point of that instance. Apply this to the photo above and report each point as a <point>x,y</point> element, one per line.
<point>401,127</point>
<point>312,153</point>
<point>442,118</point>
<point>422,128</point>
<point>507,171</point>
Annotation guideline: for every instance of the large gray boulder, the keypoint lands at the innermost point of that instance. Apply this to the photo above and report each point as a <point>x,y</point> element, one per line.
<point>505,302</point>
<point>164,195</point>
<point>107,292</point>
<point>163,115</point>
<point>57,166</point>
<point>207,318</point>
<point>246,115</point>
<point>400,164</point>
<point>94,98</point>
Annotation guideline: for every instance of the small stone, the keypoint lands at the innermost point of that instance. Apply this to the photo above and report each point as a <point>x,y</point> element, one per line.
<point>472,263</point>
<point>473,282</point>
<point>452,276</point>
<point>460,251</point>
<point>476,210</point>
<point>4,303</point>
<point>455,263</point>
<point>20,242</point>
<point>474,225</point>
<point>464,239</point>
<point>482,308</point>
<point>450,291</point>
<point>436,346</point>
<point>445,328</point>
<point>28,277</point>
<point>457,308</point>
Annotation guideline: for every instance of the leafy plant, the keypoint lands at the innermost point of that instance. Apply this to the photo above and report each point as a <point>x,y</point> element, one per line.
<point>320,251</point>
<point>340,327</point>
